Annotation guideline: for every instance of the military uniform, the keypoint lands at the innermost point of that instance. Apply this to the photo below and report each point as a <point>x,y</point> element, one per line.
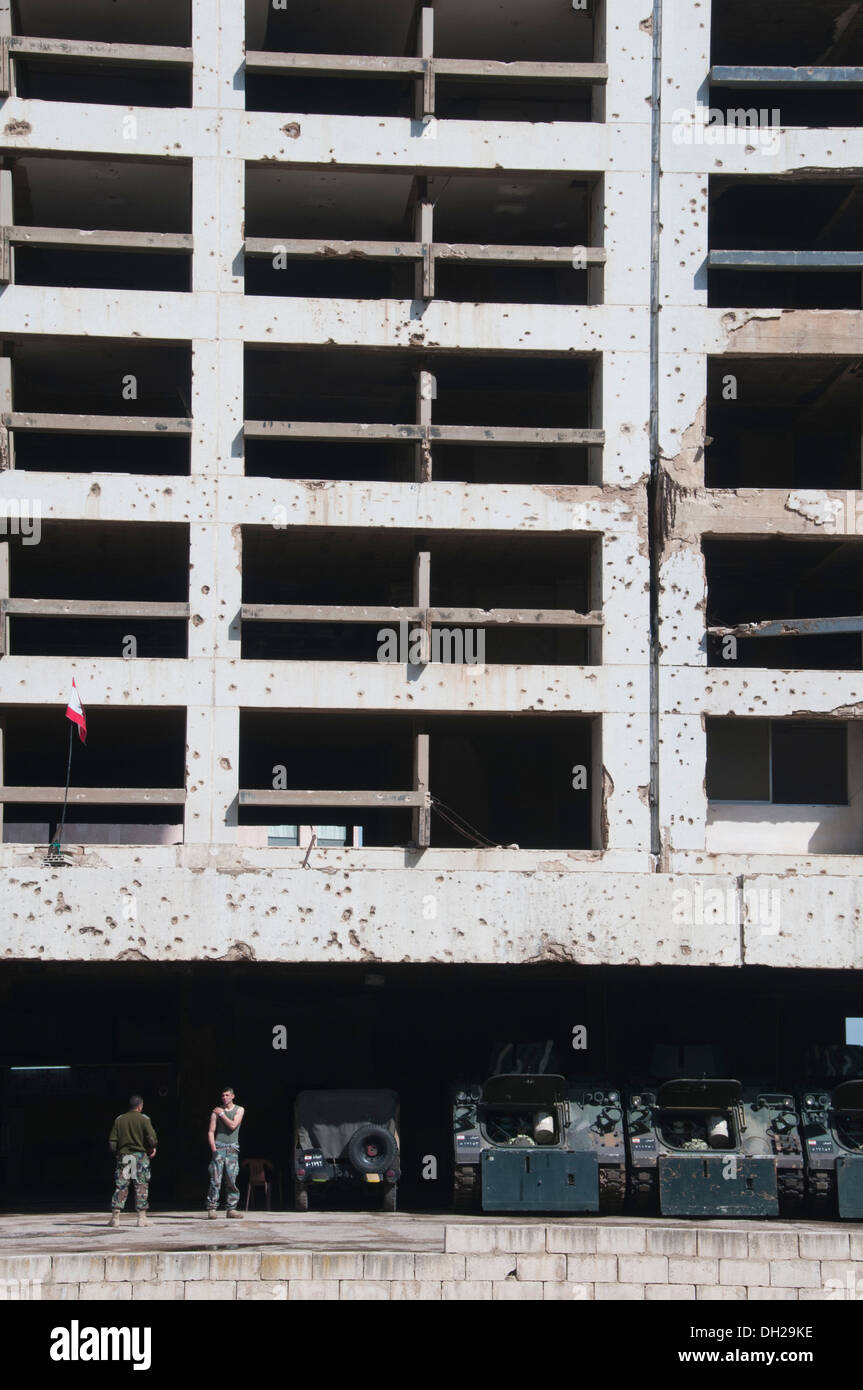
<point>132,1139</point>
<point>225,1163</point>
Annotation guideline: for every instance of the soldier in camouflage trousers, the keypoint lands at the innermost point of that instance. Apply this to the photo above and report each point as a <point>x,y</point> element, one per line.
<point>223,1137</point>
<point>133,1142</point>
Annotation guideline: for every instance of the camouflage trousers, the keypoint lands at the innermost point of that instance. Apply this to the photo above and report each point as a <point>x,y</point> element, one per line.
<point>135,1169</point>
<point>224,1163</point>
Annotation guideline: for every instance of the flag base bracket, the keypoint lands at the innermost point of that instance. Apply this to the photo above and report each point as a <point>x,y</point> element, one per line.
<point>56,858</point>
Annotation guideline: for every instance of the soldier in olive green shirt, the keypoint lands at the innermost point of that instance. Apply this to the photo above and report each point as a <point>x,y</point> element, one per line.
<point>133,1143</point>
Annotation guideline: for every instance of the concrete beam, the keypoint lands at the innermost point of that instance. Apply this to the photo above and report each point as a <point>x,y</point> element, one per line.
<point>464,617</point>
<point>121,241</point>
<point>317,64</point>
<point>255,797</point>
<point>577,73</point>
<point>791,627</point>
<point>348,431</point>
<point>97,796</point>
<point>785,260</point>
<point>48,423</point>
<point>785,78</point>
<point>379,65</point>
<point>312,248</point>
<point>324,613</point>
<point>89,608</point>
<point>21,46</point>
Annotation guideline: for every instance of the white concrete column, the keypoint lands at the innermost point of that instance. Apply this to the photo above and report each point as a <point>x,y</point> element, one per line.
<point>218,39</point>
<point>682,772</point>
<point>212,773</point>
<point>628,49</point>
<point>213,737</point>
<point>626,772</point>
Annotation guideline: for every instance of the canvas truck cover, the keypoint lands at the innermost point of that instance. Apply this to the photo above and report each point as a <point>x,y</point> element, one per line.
<point>686,1094</point>
<point>326,1120</point>
<point>522,1089</point>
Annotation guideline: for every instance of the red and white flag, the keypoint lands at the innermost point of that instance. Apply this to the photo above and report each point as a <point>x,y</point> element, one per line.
<point>75,712</point>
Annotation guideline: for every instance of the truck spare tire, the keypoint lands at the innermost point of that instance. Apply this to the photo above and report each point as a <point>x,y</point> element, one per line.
<point>371,1149</point>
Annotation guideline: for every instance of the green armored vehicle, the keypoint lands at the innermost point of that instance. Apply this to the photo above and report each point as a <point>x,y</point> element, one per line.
<point>831,1115</point>
<point>526,1139</point>
<point>714,1147</point>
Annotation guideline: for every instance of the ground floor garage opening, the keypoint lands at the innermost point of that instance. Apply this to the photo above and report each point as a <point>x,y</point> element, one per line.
<point>77,1040</point>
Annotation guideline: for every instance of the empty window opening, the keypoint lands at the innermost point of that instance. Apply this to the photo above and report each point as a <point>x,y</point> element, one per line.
<point>521,583</point>
<point>330,26</point>
<point>556,34</point>
<point>815,106</point>
<point>127,751</point>
<point>509,419</point>
<point>72,400</point>
<point>101,270</point>
<point>756,224</point>
<point>101,377</point>
<point>781,762</point>
<point>298,220</point>
<point>130,77</point>
<point>157,454</point>
<point>102,84</point>
<point>97,565</point>
<point>784,422</point>
<point>321,458</point>
<point>503,780</point>
<point>805,599</point>
<point>144,206</point>
<point>329,95</point>
<point>459,100</point>
<point>163,22</point>
<point>774,33</point>
<point>467,52</point>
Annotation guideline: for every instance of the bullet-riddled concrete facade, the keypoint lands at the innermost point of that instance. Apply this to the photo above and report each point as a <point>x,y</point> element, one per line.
<point>293,358</point>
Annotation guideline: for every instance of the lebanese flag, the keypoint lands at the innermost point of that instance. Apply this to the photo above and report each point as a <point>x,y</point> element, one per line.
<point>75,712</point>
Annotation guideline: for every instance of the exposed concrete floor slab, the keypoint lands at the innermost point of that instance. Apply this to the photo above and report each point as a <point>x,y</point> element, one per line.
<point>61,1233</point>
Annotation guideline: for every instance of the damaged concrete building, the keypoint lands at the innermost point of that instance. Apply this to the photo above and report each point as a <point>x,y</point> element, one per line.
<point>433,446</point>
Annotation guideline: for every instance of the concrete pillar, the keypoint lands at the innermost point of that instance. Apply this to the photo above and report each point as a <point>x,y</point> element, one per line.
<point>218,40</point>
<point>215,578</point>
<point>682,387</point>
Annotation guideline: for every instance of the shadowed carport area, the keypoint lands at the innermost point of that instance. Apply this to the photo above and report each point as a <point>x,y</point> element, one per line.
<point>180,1033</point>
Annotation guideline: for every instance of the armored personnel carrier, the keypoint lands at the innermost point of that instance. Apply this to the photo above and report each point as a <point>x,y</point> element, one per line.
<point>713,1146</point>
<point>831,1116</point>
<point>526,1139</point>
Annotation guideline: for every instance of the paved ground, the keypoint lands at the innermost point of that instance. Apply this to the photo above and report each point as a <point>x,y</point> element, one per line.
<point>67,1232</point>
<point>73,1232</point>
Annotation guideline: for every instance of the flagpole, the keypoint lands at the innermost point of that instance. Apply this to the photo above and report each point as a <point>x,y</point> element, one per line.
<point>59,839</point>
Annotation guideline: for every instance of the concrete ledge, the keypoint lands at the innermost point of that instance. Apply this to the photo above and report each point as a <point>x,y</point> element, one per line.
<point>619,1259</point>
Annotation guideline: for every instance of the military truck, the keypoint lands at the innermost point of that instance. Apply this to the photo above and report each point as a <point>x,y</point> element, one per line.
<point>345,1140</point>
<point>526,1139</point>
<point>713,1146</point>
<point>831,1116</point>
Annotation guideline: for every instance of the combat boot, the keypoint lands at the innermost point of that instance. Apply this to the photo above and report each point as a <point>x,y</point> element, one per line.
<point>115,1218</point>
<point>238,1215</point>
<point>212,1214</point>
<point>142,1219</point>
